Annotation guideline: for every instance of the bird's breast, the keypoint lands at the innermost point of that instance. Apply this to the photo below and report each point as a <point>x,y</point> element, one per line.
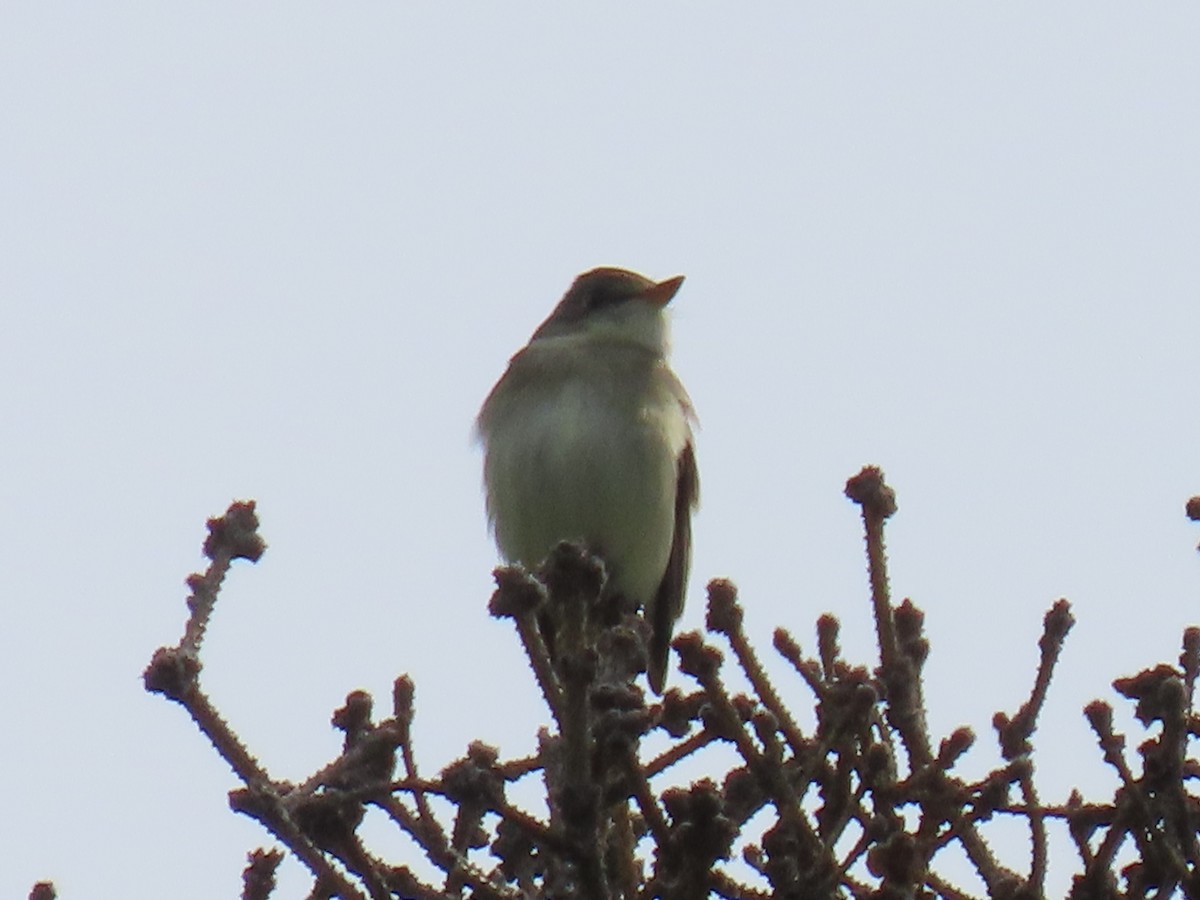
<point>588,456</point>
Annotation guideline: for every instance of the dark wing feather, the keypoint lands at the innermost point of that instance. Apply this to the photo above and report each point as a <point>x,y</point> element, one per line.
<point>668,602</point>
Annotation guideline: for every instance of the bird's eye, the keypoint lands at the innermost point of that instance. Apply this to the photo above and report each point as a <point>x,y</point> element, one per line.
<point>605,296</point>
<point>593,301</point>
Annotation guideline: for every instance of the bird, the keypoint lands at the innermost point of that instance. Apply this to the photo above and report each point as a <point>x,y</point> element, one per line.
<point>588,437</point>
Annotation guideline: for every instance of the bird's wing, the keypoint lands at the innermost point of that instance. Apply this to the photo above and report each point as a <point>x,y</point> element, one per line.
<point>668,601</point>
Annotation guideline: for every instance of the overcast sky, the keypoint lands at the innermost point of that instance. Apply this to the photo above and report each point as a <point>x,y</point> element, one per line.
<point>282,251</point>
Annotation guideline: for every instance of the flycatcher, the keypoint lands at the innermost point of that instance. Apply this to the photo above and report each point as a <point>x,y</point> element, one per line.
<point>588,437</point>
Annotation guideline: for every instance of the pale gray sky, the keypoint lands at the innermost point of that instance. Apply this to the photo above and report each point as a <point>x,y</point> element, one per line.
<point>282,252</point>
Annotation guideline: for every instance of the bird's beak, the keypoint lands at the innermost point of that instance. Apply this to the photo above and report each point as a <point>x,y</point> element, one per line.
<point>661,293</point>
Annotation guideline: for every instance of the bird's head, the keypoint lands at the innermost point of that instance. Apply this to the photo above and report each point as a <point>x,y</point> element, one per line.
<point>613,304</point>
